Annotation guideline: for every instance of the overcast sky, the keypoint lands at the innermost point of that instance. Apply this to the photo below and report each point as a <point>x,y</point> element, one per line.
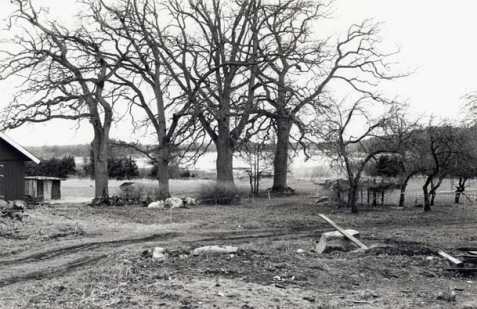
<point>436,37</point>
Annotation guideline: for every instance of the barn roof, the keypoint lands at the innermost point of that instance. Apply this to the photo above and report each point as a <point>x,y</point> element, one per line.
<point>25,152</point>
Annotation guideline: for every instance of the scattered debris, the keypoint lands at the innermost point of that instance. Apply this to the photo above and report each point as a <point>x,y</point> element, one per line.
<point>321,200</point>
<point>331,241</point>
<point>189,201</point>
<point>450,297</point>
<point>13,210</point>
<point>311,299</point>
<point>215,250</point>
<point>347,235</point>
<point>450,258</point>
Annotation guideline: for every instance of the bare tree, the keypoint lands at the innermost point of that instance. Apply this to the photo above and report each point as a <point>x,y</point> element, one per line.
<point>136,30</point>
<point>216,61</point>
<point>65,75</point>
<point>349,148</point>
<point>303,69</point>
<point>441,148</point>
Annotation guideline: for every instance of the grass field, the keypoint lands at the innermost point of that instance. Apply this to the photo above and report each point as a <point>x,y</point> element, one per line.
<point>74,256</point>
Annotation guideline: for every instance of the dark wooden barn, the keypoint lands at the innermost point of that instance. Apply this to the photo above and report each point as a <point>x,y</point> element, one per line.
<point>12,168</point>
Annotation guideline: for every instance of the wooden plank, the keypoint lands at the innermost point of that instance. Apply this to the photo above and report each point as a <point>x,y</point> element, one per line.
<point>470,259</point>
<point>473,252</point>
<point>464,271</point>
<point>450,258</point>
<point>345,234</point>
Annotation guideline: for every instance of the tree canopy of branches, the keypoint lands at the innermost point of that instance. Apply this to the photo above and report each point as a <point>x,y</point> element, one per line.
<point>296,79</point>
<point>65,75</point>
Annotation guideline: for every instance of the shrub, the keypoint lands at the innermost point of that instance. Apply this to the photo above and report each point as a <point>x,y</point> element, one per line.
<point>53,167</point>
<point>118,167</point>
<point>219,194</point>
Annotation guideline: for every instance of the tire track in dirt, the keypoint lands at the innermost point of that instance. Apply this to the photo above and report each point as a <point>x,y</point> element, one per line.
<point>56,252</point>
<point>52,271</point>
<point>49,263</point>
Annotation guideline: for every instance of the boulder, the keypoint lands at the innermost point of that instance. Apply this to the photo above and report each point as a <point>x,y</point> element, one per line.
<point>174,202</point>
<point>159,254</point>
<point>3,204</point>
<point>189,201</point>
<point>215,250</point>
<point>331,241</point>
<point>158,204</point>
<point>19,204</point>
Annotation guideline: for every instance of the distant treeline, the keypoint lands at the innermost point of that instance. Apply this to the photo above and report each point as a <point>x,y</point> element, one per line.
<point>84,150</point>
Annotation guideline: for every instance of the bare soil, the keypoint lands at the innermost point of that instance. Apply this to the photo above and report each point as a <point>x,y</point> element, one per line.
<point>74,256</point>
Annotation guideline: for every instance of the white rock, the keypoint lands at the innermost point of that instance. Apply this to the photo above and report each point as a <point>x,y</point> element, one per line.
<point>159,254</point>
<point>3,203</point>
<point>158,204</point>
<point>300,251</point>
<point>215,249</point>
<point>335,239</point>
<point>190,201</point>
<point>174,202</point>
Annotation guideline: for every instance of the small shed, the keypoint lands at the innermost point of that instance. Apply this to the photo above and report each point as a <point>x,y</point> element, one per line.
<point>12,168</point>
<point>43,188</point>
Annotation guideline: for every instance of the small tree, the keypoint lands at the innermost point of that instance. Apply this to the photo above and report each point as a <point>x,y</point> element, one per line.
<point>383,134</point>
<point>258,155</point>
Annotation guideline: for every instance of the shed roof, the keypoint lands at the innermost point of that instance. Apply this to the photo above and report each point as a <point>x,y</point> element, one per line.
<point>22,150</point>
<point>43,178</point>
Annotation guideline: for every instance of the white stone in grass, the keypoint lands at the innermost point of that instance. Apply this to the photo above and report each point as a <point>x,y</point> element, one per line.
<point>215,250</point>
<point>300,251</point>
<point>159,254</point>
<point>174,202</point>
<point>158,204</point>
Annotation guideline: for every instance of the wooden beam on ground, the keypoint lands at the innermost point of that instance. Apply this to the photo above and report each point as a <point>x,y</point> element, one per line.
<point>470,259</point>
<point>450,258</point>
<point>470,249</point>
<point>344,233</point>
<point>464,271</point>
<point>473,252</point>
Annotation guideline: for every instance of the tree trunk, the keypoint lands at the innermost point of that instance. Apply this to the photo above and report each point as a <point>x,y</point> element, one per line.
<point>402,198</point>
<point>100,158</point>
<point>352,198</point>
<point>459,190</point>
<point>163,173</point>
<point>280,162</point>
<point>225,157</point>
<point>427,202</point>
<point>457,197</point>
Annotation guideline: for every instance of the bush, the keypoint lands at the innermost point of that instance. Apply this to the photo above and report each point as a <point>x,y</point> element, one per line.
<point>219,194</point>
<point>53,167</point>
<point>385,166</point>
<point>118,168</point>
